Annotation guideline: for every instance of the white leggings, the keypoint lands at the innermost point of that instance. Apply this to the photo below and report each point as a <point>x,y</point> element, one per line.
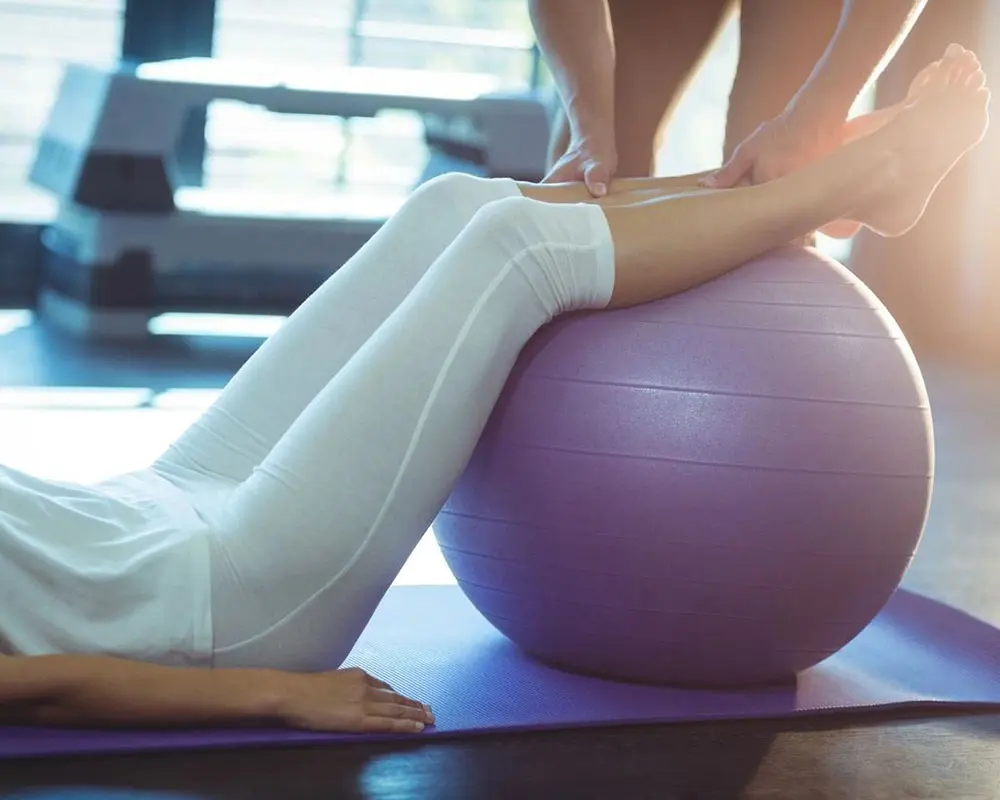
<point>327,457</point>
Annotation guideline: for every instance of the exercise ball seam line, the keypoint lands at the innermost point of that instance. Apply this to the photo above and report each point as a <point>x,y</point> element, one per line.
<point>658,611</point>
<point>766,282</point>
<point>718,465</point>
<point>797,331</point>
<point>681,581</point>
<point>790,304</point>
<point>530,376</point>
<point>668,543</point>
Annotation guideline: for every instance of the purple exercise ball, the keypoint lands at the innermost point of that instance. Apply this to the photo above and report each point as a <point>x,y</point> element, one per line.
<point>720,488</point>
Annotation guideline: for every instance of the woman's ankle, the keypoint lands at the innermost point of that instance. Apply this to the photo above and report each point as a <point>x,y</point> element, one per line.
<point>881,179</point>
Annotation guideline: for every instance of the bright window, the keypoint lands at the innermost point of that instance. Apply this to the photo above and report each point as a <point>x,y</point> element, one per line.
<point>252,148</point>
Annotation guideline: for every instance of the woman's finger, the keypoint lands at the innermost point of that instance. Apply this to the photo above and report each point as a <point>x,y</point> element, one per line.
<point>389,725</point>
<point>396,711</point>
<point>377,683</point>
<point>390,696</point>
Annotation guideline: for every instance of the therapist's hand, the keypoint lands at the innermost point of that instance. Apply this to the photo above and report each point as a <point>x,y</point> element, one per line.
<point>778,147</point>
<point>592,160</point>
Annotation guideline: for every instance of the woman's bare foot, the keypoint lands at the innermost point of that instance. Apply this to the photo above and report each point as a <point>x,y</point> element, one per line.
<point>867,124</point>
<point>945,117</point>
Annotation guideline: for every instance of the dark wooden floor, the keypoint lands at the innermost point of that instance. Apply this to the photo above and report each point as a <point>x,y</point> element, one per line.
<point>855,758</point>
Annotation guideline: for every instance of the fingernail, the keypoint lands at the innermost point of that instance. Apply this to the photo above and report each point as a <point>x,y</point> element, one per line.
<point>600,189</point>
<point>419,726</point>
<point>954,49</point>
<point>426,707</point>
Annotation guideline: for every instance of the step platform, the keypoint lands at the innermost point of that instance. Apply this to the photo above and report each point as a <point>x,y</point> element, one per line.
<point>129,243</point>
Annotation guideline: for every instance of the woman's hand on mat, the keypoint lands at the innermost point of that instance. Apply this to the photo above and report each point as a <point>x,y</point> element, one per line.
<point>350,701</point>
<point>778,147</point>
<point>99,691</point>
<point>588,159</point>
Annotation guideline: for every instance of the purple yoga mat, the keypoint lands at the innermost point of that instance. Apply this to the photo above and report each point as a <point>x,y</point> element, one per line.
<point>431,644</point>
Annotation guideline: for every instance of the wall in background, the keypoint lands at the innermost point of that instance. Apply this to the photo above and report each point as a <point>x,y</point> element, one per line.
<point>939,281</point>
<point>978,239</point>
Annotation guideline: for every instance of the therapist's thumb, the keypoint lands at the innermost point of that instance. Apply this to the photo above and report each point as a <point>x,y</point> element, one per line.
<point>730,173</point>
<point>597,176</point>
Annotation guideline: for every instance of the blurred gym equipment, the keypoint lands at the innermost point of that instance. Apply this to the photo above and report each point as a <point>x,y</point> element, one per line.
<point>129,242</point>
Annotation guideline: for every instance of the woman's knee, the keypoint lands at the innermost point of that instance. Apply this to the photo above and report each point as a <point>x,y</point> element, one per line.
<point>454,190</point>
<point>510,227</point>
<point>519,220</point>
<point>561,246</point>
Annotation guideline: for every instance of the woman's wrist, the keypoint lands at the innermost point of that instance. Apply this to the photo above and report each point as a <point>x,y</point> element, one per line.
<point>255,695</point>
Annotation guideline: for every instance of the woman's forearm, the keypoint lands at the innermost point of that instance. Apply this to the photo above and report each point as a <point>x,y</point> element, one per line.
<point>92,690</point>
<point>576,40</point>
<point>869,33</point>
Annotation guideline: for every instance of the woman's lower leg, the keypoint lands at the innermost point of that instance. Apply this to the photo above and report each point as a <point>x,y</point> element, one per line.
<point>629,191</point>
<point>621,191</point>
<point>670,245</point>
